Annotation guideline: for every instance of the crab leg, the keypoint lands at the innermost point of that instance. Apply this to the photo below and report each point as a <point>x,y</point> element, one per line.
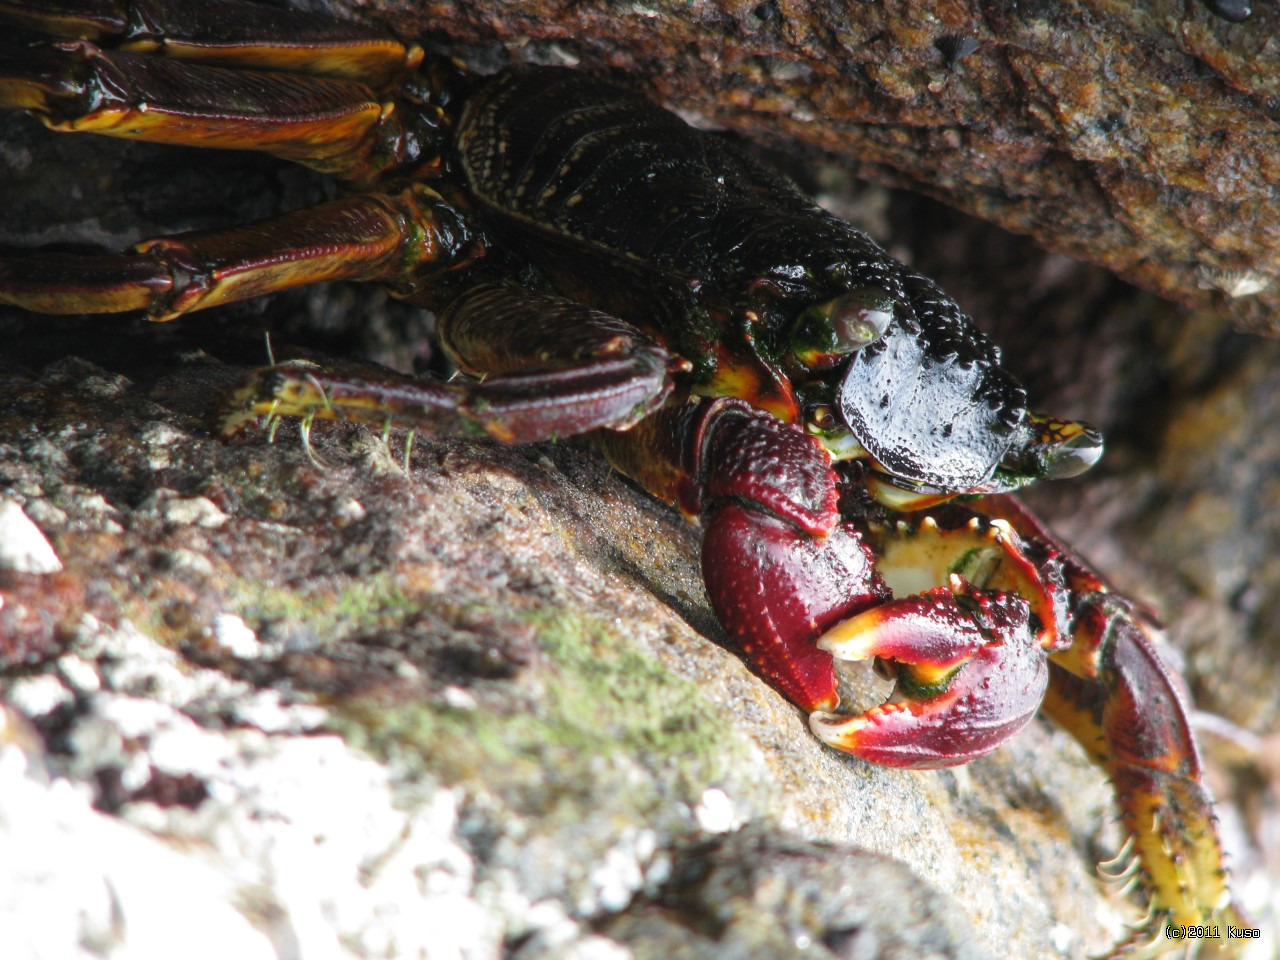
<point>228,33</point>
<point>335,126</point>
<point>368,237</point>
<point>552,367</point>
<point>1112,691</point>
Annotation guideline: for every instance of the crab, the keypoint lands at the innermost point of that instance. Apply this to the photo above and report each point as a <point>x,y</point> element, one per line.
<point>846,437</point>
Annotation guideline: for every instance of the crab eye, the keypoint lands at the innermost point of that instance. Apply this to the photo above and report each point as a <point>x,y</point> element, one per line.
<point>1054,449</point>
<point>826,332</point>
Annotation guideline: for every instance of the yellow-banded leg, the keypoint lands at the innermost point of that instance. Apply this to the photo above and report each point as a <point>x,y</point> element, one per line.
<point>1112,691</point>
<point>367,237</point>
<point>189,82</point>
<point>227,33</point>
<point>540,366</point>
<point>158,85</point>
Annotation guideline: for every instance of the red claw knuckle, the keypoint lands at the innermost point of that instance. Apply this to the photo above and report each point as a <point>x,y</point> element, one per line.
<point>775,589</point>
<point>749,455</point>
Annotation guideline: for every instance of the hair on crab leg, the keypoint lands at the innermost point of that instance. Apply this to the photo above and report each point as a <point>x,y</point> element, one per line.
<point>408,448</point>
<point>273,421</point>
<point>385,438</point>
<point>304,428</point>
<point>325,401</point>
<point>1123,854</point>
<point>1153,946</point>
<point>1129,885</point>
<point>1129,869</point>
<point>1122,865</point>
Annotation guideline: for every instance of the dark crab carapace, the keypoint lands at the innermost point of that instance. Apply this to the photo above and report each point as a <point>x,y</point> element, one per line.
<point>739,353</point>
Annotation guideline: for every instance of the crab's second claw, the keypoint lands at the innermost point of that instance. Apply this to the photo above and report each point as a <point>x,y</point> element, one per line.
<point>970,674</point>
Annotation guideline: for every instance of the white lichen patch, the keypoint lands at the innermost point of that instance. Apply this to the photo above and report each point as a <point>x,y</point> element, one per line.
<point>39,695</point>
<point>233,635</point>
<point>188,561</point>
<point>183,511</point>
<point>78,884</point>
<point>78,674</point>
<point>321,844</point>
<point>160,438</point>
<point>127,661</point>
<point>87,510</point>
<point>297,839</point>
<point>349,510</point>
<point>458,698</point>
<point>619,875</point>
<point>267,711</point>
<point>23,548</point>
<point>715,812</point>
<point>45,514</point>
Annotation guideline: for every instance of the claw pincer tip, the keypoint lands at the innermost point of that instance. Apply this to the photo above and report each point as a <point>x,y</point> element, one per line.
<point>965,684</point>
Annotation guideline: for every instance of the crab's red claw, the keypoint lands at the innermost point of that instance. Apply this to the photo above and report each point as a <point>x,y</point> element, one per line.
<point>779,565</point>
<point>970,674</point>
<point>776,588</point>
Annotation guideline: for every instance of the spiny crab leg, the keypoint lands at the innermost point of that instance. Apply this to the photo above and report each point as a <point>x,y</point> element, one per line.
<point>1113,691</point>
<point>968,657</point>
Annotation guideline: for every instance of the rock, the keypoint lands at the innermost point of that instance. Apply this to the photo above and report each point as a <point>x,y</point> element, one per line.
<point>23,548</point>
<point>490,700</point>
<point>477,707</point>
